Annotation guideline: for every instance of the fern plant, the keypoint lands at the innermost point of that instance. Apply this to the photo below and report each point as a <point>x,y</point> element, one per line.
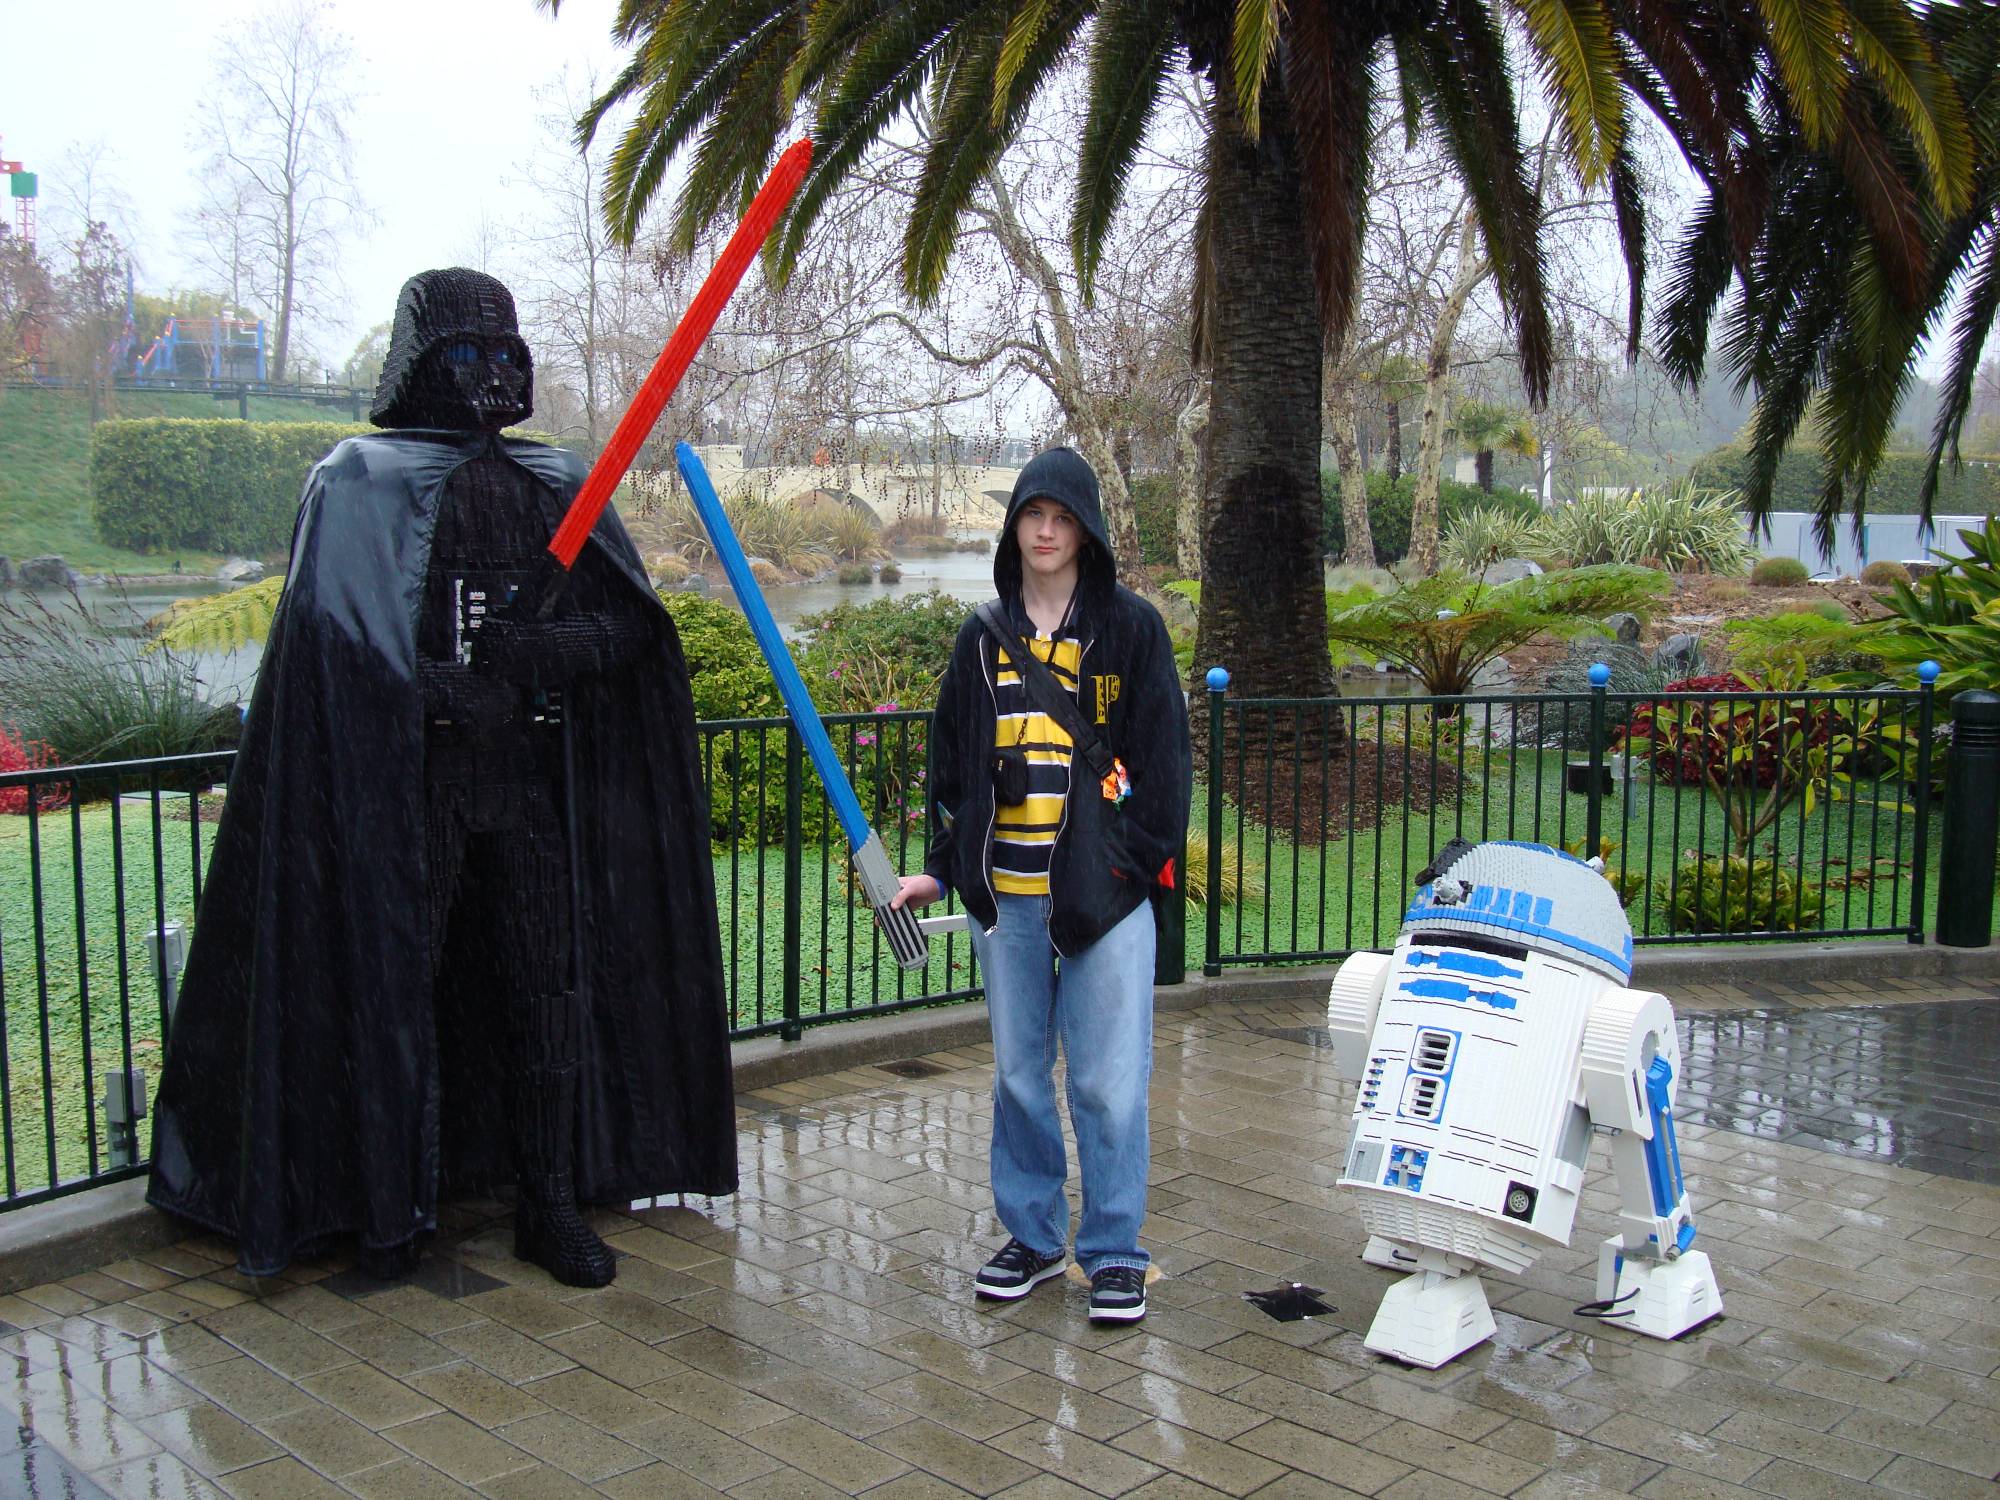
<point>217,622</point>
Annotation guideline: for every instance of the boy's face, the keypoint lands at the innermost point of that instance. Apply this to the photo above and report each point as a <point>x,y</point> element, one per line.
<point>1049,537</point>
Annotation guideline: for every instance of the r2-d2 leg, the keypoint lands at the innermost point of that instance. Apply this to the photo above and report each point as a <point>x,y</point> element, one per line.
<point>1649,1277</point>
<point>1433,1315</point>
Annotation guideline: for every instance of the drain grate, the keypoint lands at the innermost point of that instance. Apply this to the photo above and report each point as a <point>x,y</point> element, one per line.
<point>913,1067</point>
<point>1292,1303</point>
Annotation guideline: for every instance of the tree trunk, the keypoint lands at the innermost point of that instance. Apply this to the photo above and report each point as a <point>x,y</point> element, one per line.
<point>1394,410</point>
<point>1121,521</point>
<point>1263,604</point>
<point>1357,539</point>
<point>1483,462</point>
<point>1188,428</point>
<point>1472,268</point>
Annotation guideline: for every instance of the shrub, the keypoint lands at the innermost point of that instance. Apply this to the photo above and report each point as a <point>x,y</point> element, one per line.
<point>890,573</point>
<point>1482,536</point>
<point>1231,888</point>
<point>852,536</point>
<point>979,544</point>
<point>906,529</point>
<point>17,754</point>
<point>725,668</point>
<point>1681,529</point>
<point>217,485</point>
<point>88,697</point>
<point>1739,895</point>
<point>889,650</point>
<point>853,573</point>
<point>1389,511</point>
<point>1778,573</point>
<point>668,567</point>
<point>1883,572</point>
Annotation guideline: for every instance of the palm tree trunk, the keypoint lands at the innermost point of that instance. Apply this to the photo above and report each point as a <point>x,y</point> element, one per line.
<point>1263,604</point>
<point>1483,468</point>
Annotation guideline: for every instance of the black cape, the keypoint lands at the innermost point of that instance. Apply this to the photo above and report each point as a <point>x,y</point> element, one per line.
<point>306,1093</point>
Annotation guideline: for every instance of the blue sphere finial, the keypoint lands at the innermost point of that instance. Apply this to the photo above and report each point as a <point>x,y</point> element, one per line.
<point>1600,674</point>
<point>1218,679</point>
<point>1927,672</point>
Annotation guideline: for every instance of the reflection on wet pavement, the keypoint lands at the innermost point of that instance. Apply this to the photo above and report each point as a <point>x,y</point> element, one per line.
<point>31,1470</point>
<point>1914,1084</point>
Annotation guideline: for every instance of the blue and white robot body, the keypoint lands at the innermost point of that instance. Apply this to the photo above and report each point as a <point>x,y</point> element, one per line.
<point>1489,1049</point>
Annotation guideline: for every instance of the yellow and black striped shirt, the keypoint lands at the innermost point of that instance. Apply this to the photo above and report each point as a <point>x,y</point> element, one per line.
<point>1024,834</point>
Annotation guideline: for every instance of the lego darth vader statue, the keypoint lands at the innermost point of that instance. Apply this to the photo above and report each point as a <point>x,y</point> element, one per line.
<point>459,929</point>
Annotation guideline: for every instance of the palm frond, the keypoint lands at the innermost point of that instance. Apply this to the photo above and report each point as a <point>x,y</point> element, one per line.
<point>1806,43</point>
<point>1329,84</point>
<point>1021,33</point>
<point>1253,41</point>
<point>1131,49</point>
<point>965,144</point>
<point>1628,205</point>
<point>1894,54</point>
<point>1573,51</point>
<point>1702,266</point>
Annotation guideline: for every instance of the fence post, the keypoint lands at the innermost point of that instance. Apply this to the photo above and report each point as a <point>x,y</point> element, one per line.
<point>243,402</point>
<point>1927,676</point>
<point>1218,693</point>
<point>1593,828</point>
<point>1972,816</point>
<point>791,1031</point>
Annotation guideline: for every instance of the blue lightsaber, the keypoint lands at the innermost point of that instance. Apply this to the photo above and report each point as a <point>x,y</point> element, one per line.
<point>908,936</point>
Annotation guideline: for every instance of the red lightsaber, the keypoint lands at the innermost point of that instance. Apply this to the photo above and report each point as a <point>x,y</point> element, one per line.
<point>674,360</point>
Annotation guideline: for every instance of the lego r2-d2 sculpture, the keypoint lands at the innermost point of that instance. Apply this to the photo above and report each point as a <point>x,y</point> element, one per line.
<point>1489,1047</point>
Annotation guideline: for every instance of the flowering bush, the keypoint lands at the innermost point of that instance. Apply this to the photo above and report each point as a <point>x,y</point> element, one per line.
<point>19,755</point>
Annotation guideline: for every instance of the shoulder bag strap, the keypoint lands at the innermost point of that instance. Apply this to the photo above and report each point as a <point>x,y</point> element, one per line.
<point>1050,696</point>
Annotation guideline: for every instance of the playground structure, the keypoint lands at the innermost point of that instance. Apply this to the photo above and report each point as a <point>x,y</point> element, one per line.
<point>21,187</point>
<point>204,349</point>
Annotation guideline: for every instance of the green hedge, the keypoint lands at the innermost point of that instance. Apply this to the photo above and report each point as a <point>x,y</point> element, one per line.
<point>1389,510</point>
<point>1973,491</point>
<point>211,485</point>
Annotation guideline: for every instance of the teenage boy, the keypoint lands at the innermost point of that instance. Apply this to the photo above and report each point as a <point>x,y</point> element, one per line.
<point>1060,799</point>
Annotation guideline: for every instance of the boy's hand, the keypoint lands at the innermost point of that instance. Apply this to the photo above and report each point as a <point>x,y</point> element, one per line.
<point>917,890</point>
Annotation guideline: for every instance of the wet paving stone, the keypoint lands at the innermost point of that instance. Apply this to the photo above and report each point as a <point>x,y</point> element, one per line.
<point>1915,1084</point>
<point>31,1470</point>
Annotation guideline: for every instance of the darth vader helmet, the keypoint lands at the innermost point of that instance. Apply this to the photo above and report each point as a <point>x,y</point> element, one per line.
<point>456,356</point>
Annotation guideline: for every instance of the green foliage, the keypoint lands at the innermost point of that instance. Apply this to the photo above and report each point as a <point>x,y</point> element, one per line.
<point>725,667</point>
<point>1895,490</point>
<point>1389,511</point>
<point>1231,888</point>
<point>884,651</point>
<point>1446,627</point>
<point>1796,645</point>
<point>90,697</point>
<point>855,573</point>
<point>1682,529</point>
<point>1951,617</point>
<point>1779,573</point>
<point>890,573</point>
<point>1155,504</point>
<point>1629,884</point>
<point>217,622</point>
<point>788,537</point>
<point>1884,571</point>
<point>1482,536</point>
<point>221,485</point>
<point>1738,895</point>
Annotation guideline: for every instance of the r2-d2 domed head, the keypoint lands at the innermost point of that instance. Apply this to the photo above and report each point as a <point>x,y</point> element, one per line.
<point>1541,898</point>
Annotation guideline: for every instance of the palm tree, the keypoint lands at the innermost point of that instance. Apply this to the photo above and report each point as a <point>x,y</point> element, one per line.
<point>1292,90</point>
<point>1486,428</point>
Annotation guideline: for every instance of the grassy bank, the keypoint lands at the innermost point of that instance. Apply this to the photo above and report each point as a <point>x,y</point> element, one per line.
<point>45,472</point>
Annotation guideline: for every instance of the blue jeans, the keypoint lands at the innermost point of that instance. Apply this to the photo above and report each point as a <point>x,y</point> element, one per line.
<point>1100,1003</point>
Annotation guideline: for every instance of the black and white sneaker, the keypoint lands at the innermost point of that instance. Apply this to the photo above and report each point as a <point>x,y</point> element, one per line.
<point>1118,1295</point>
<point>1016,1271</point>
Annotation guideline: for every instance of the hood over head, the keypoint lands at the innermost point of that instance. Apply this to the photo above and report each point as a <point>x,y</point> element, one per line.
<point>433,310</point>
<point>1061,475</point>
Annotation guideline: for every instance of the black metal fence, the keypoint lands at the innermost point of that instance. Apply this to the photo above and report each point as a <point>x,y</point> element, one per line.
<point>1721,817</point>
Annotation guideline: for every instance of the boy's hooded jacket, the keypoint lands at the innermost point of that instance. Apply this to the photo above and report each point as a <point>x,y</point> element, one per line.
<point>1107,855</point>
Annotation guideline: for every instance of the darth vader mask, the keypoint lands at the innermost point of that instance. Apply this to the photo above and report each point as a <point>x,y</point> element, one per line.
<point>456,356</point>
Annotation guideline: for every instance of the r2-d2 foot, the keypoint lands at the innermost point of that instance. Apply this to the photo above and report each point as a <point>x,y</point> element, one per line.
<point>1490,1048</point>
<point>1662,1299</point>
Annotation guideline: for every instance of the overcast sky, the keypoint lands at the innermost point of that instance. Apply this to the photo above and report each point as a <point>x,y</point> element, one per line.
<point>447,115</point>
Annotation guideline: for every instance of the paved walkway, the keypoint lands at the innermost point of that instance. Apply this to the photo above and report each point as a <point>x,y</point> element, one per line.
<point>816,1335</point>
